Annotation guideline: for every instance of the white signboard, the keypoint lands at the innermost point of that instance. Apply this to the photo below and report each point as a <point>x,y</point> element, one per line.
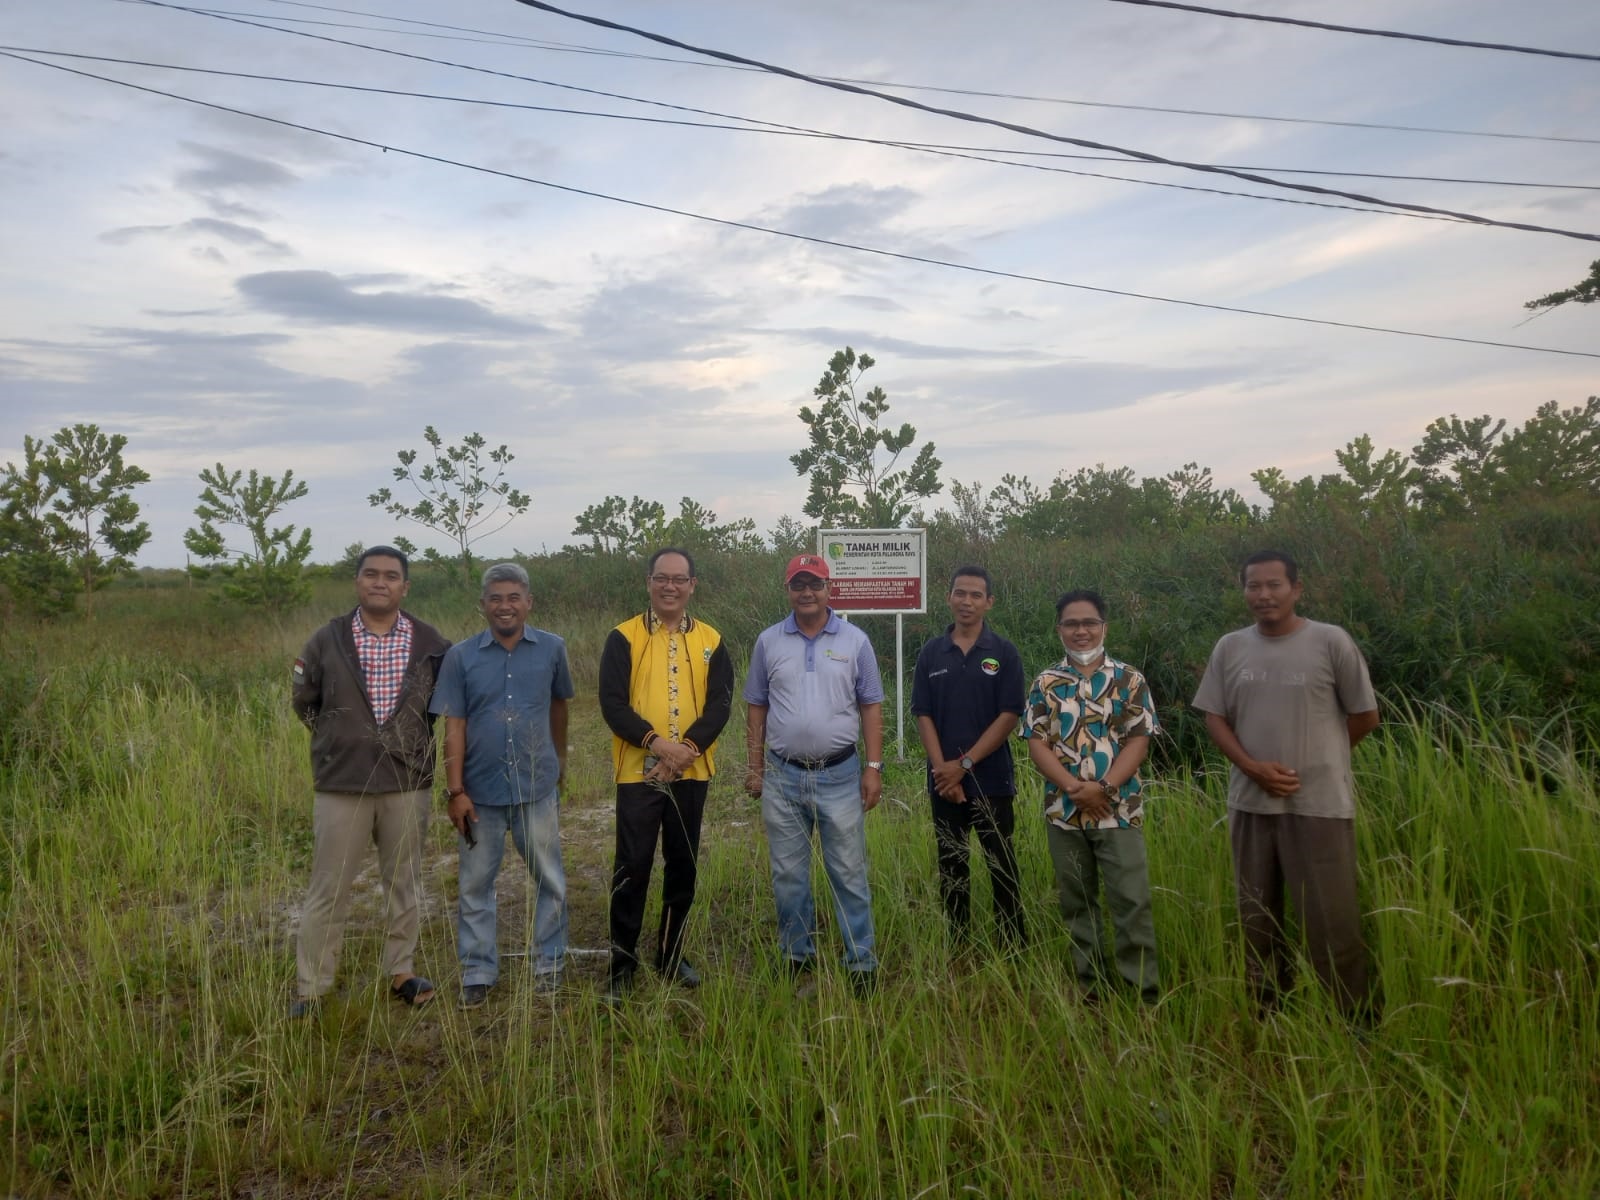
<point>876,570</point>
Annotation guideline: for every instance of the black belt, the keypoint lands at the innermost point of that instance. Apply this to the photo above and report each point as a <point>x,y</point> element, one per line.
<point>817,764</point>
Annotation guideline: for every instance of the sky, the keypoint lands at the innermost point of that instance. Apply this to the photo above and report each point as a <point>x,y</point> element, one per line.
<point>220,289</point>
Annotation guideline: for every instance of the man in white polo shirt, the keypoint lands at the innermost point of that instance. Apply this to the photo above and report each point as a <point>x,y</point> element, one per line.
<point>813,688</point>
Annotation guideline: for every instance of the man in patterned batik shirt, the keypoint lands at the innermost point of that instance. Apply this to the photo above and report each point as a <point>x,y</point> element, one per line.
<point>1088,727</point>
<point>666,688</point>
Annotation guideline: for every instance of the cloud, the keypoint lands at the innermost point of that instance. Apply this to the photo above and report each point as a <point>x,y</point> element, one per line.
<point>325,298</point>
<point>228,231</point>
<point>878,345</point>
<point>219,168</point>
<point>872,303</point>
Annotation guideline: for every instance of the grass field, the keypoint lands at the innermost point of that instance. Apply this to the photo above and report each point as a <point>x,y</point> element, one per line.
<point>156,818</point>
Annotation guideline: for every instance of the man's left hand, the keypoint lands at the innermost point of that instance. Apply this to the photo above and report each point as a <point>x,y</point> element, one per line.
<point>675,755</point>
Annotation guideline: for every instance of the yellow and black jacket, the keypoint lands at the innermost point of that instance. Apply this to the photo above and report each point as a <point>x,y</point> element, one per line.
<point>636,693</point>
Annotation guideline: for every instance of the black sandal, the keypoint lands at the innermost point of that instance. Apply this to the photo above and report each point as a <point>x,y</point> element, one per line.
<point>409,991</point>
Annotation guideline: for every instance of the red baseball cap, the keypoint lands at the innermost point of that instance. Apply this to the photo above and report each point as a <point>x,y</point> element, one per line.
<point>806,564</point>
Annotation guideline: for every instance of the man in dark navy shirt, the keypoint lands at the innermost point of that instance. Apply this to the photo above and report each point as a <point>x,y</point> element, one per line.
<point>967,694</point>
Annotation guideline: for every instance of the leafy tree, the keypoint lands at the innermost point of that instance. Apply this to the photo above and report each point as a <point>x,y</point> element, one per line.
<point>1557,451</point>
<point>70,502</point>
<point>618,526</point>
<point>270,572</point>
<point>1457,463</point>
<point>34,572</point>
<point>462,493</point>
<point>790,537</point>
<point>1585,291</point>
<point>846,436</point>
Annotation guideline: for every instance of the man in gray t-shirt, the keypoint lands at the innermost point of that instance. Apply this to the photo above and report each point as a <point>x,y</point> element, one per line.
<point>1286,700</point>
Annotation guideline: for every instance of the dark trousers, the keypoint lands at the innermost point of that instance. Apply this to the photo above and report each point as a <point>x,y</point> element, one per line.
<point>993,819</point>
<point>1313,861</point>
<point>644,811</point>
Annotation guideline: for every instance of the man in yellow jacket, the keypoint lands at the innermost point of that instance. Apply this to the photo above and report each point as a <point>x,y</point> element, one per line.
<point>666,688</point>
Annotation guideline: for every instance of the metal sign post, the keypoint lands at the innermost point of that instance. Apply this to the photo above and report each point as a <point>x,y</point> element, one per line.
<point>878,572</point>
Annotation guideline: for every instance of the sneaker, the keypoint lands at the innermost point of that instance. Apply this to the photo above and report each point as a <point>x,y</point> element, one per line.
<point>302,1007</point>
<point>863,983</point>
<point>547,983</point>
<point>473,995</point>
<point>684,975</point>
<point>803,974</point>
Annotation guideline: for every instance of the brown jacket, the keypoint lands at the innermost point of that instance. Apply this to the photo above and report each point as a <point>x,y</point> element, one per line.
<point>350,751</point>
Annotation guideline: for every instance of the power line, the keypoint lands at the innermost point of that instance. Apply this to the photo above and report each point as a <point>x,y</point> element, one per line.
<point>518,41</point>
<point>1383,33</point>
<point>1029,131</point>
<point>812,239</point>
<point>913,104</point>
<point>780,131</point>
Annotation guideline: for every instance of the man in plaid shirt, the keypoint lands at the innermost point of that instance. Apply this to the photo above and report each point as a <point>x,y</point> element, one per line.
<point>362,686</point>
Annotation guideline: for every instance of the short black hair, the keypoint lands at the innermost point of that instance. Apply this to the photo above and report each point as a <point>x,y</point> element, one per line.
<point>1082,594</point>
<point>1265,556</point>
<point>385,552</point>
<point>976,572</point>
<point>687,557</point>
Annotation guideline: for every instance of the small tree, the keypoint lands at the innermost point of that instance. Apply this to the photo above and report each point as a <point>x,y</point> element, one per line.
<point>92,523</point>
<point>843,454</point>
<point>34,571</point>
<point>462,493</point>
<point>269,573</point>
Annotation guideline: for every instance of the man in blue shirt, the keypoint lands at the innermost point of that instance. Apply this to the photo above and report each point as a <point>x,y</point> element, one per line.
<point>813,687</point>
<point>967,694</point>
<point>503,695</point>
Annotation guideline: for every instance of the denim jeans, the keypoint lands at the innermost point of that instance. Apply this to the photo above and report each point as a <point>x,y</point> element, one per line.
<point>794,802</point>
<point>536,830</point>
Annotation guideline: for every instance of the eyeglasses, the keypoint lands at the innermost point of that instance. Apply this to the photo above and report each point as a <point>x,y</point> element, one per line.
<point>808,585</point>
<point>674,580</point>
<point>1074,626</point>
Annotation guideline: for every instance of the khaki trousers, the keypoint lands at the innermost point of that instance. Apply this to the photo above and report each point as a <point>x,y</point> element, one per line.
<point>1313,861</point>
<point>342,825</point>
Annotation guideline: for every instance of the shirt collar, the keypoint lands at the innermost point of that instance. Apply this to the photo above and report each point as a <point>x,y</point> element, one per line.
<point>986,638</point>
<point>487,638</point>
<point>653,622</point>
<point>359,627</point>
<point>790,625</point>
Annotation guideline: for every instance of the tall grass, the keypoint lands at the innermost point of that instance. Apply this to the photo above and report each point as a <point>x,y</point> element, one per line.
<point>156,842</point>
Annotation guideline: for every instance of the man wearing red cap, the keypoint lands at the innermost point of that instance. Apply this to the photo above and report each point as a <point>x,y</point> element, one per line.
<point>813,688</point>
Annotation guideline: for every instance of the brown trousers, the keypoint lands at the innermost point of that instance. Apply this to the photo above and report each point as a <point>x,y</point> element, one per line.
<point>1313,860</point>
<point>343,826</point>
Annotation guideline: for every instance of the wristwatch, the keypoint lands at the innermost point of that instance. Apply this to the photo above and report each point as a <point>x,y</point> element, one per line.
<point>876,766</point>
<point>966,762</point>
<point>452,793</point>
<point>1110,791</point>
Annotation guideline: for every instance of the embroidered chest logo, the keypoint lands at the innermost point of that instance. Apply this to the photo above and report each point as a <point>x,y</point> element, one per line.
<point>991,666</point>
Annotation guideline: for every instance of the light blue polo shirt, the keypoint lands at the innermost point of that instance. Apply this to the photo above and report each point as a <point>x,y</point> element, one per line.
<point>813,687</point>
<point>505,697</point>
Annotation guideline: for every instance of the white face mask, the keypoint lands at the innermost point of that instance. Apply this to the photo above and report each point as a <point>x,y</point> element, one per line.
<point>1084,657</point>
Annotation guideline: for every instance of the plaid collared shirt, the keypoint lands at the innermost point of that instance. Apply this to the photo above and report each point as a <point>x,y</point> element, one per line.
<point>383,660</point>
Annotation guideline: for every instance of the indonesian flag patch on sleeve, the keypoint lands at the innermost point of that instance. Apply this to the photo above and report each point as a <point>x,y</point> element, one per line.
<point>299,670</point>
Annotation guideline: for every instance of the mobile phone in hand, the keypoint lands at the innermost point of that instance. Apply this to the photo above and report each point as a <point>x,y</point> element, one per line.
<point>468,833</point>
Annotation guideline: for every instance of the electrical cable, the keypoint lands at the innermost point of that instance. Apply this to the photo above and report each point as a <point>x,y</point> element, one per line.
<point>1383,33</point>
<point>516,40</point>
<point>811,239</point>
<point>1029,131</point>
<point>781,131</point>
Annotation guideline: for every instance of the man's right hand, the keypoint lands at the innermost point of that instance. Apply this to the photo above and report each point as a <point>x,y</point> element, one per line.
<point>1274,778</point>
<point>461,811</point>
<point>947,777</point>
<point>752,782</point>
